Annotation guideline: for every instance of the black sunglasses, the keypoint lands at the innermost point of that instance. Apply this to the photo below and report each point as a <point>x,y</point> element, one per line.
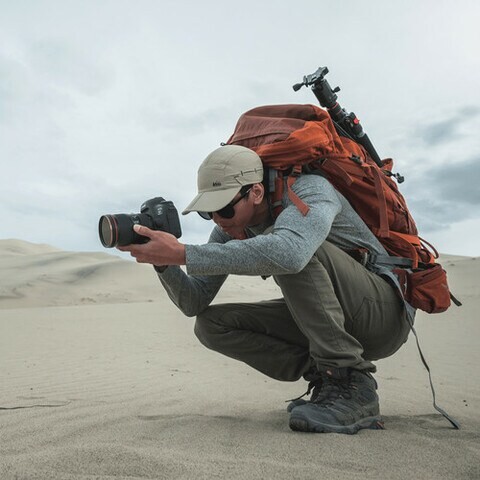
<point>227,211</point>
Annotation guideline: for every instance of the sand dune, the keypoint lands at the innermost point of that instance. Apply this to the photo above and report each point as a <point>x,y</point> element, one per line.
<point>103,378</point>
<point>40,277</point>
<point>34,275</point>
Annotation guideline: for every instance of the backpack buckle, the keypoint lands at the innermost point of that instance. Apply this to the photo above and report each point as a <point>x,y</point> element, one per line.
<point>296,171</point>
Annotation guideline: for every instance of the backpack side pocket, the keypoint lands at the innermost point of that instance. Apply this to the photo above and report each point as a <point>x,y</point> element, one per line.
<point>426,289</point>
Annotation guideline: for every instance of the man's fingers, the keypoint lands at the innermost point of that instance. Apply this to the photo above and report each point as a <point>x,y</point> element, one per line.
<point>144,231</point>
<point>127,248</point>
<point>151,251</point>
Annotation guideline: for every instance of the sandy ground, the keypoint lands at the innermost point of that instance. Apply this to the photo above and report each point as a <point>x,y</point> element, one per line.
<point>103,378</point>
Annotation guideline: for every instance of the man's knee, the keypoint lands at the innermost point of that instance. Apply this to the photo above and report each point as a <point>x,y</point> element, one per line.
<point>207,328</point>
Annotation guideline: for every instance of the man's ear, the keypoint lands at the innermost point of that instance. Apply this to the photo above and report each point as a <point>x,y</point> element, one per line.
<point>257,192</point>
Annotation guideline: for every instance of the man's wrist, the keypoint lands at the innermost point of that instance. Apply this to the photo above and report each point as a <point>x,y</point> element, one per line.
<point>182,255</point>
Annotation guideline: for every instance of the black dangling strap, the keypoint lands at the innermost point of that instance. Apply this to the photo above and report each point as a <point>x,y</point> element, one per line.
<point>454,423</point>
<point>455,300</point>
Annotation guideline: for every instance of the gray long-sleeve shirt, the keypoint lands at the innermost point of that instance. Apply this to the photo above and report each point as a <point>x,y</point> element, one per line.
<point>288,246</point>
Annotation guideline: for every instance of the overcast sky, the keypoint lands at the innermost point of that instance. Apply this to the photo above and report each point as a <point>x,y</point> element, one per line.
<point>104,104</point>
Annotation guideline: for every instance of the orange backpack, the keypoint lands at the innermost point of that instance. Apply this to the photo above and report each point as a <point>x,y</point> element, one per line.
<point>294,139</point>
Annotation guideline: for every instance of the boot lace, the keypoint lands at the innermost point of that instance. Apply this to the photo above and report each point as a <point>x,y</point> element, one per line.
<point>333,389</point>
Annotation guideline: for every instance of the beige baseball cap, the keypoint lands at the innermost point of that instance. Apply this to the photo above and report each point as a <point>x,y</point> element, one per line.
<point>221,176</point>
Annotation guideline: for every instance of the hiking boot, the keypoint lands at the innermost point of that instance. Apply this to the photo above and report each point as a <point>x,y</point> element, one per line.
<point>313,385</point>
<point>296,403</point>
<point>342,405</point>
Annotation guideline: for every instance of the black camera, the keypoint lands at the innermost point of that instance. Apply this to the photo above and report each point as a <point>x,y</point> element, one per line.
<point>156,214</point>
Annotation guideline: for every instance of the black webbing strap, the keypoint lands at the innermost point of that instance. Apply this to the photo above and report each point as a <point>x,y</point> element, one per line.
<point>400,262</point>
<point>455,300</point>
<point>454,423</point>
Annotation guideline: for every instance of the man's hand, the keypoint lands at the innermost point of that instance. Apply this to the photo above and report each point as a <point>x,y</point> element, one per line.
<point>162,249</point>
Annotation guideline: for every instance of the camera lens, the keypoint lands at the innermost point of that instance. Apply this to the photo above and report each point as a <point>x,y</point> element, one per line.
<point>115,230</point>
<point>108,231</point>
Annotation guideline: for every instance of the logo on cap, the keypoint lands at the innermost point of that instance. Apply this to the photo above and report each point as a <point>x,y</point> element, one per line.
<point>216,183</point>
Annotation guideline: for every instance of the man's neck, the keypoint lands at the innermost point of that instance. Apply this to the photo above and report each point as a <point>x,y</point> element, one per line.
<point>262,214</point>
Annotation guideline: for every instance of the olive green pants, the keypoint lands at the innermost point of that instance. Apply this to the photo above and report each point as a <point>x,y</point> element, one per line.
<point>334,314</point>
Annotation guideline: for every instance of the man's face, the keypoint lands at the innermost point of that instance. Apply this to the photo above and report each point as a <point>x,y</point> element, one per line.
<point>245,214</point>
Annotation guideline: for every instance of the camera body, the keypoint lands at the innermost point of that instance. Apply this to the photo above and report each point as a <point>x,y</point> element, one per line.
<point>156,214</point>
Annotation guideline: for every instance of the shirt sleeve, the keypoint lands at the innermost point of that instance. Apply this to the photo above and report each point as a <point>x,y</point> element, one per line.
<point>193,293</point>
<point>287,249</point>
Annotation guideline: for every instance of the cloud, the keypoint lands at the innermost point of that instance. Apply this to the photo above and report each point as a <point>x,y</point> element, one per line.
<point>432,215</point>
<point>458,182</point>
<point>66,65</point>
<point>156,112</point>
<point>444,195</point>
<point>171,120</point>
<point>448,130</point>
<point>24,100</point>
<point>438,133</point>
<point>440,161</point>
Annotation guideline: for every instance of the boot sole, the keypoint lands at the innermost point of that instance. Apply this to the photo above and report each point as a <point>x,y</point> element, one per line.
<point>300,424</point>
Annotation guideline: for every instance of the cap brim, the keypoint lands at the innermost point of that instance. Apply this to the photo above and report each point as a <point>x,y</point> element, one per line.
<point>211,201</point>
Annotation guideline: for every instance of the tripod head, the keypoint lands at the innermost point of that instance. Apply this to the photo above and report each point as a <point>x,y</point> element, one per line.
<point>346,123</point>
<point>325,94</point>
